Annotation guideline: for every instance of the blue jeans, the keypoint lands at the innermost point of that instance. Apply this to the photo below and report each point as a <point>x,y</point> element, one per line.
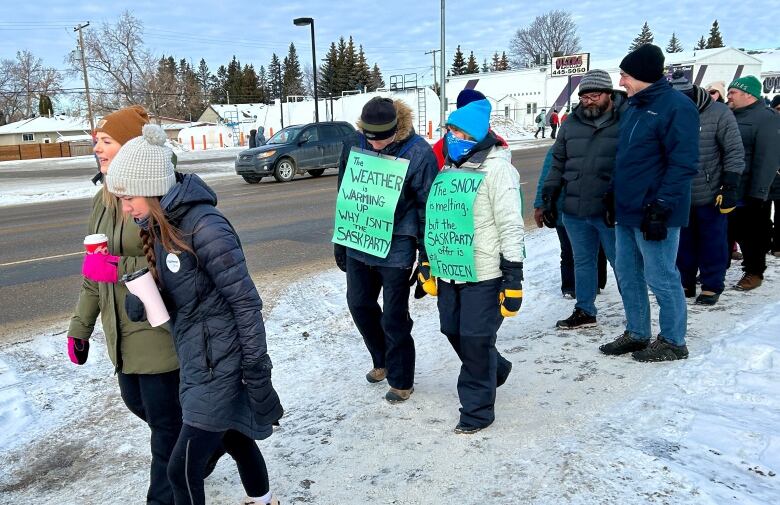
<point>640,263</point>
<point>586,234</point>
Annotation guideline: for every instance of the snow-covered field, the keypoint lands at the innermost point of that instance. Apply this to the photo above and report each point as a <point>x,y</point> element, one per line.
<point>573,426</point>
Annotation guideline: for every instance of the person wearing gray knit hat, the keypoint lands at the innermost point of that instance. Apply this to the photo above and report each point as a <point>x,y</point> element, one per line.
<point>595,80</point>
<point>143,167</point>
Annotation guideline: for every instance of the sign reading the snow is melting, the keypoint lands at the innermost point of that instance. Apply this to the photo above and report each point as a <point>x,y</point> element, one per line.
<point>449,225</point>
<point>571,64</point>
<point>366,202</point>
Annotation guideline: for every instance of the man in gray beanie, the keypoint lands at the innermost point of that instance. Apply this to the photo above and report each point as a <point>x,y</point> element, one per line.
<point>584,155</point>
<point>657,156</point>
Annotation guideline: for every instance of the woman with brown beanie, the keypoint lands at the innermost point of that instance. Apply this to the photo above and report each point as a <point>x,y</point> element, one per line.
<point>195,256</point>
<point>144,358</point>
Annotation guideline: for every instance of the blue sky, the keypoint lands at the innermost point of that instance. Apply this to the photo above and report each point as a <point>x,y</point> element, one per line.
<point>395,34</point>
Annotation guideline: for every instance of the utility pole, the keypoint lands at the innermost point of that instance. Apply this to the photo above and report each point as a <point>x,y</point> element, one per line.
<point>433,52</point>
<point>442,90</point>
<point>86,79</point>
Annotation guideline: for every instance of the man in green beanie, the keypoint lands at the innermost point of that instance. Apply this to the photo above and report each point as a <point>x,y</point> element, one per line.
<point>760,130</point>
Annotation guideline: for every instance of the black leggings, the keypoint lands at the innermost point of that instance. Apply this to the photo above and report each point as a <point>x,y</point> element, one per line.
<point>193,450</point>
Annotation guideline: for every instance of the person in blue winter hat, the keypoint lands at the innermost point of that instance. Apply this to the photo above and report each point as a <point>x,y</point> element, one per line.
<point>481,283</point>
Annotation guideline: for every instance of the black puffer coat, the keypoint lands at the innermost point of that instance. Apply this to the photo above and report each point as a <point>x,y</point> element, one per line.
<point>584,160</point>
<point>760,129</point>
<point>720,148</point>
<point>215,311</point>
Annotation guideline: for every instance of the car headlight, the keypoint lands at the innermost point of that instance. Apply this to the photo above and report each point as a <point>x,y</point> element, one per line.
<point>266,154</point>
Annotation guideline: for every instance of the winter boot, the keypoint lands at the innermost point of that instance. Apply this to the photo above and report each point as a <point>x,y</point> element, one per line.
<point>748,282</point>
<point>689,292</point>
<point>707,298</point>
<point>465,429</point>
<point>661,350</point>
<point>256,501</point>
<point>376,375</point>
<point>622,345</point>
<point>578,319</point>
<point>398,395</point>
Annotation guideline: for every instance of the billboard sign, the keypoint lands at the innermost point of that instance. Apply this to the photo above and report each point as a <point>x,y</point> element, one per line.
<point>572,64</point>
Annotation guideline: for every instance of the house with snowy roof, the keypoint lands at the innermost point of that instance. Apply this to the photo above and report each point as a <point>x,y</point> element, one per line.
<point>44,130</point>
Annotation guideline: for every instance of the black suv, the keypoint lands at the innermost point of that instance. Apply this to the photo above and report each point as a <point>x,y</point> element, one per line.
<point>295,150</point>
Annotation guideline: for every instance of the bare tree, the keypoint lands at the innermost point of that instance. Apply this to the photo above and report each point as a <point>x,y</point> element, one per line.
<point>549,33</point>
<point>22,82</point>
<point>308,80</point>
<point>123,70</point>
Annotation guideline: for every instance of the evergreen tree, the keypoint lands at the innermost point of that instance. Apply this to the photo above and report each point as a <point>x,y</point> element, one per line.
<point>350,66</point>
<point>495,65</point>
<point>326,75</point>
<point>292,80</point>
<point>250,85</point>
<point>485,67</point>
<point>644,37</point>
<point>362,70</point>
<point>219,86</point>
<point>472,67</point>
<point>233,83</point>
<point>376,79</point>
<point>715,39</point>
<point>45,107</point>
<point>674,45</point>
<point>204,77</point>
<point>341,73</point>
<point>504,63</point>
<point>264,86</point>
<point>192,100</point>
<point>458,63</point>
<point>275,76</point>
<point>702,44</point>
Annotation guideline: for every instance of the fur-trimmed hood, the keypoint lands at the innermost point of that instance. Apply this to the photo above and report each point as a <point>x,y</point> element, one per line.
<point>405,121</point>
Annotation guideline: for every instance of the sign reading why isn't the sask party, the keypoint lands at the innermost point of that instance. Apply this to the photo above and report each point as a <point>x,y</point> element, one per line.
<point>449,225</point>
<point>366,202</point>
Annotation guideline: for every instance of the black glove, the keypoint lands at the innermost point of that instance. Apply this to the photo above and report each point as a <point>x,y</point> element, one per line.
<point>609,209</point>
<point>511,296</point>
<point>549,210</point>
<point>134,308</point>
<point>654,221</point>
<point>263,400</point>
<point>729,192</point>
<point>340,253</point>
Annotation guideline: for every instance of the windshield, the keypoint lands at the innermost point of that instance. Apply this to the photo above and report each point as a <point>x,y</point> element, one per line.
<point>285,136</point>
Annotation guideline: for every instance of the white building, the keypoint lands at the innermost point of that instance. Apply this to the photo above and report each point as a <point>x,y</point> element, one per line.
<point>241,118</point>
<point>520,94</point>
<point>43,130</point>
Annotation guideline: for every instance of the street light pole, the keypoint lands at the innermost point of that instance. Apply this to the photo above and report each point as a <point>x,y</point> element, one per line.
<point>310,22</point>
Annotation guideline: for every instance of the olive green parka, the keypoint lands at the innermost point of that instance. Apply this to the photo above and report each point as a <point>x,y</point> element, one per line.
<point>134,348</point>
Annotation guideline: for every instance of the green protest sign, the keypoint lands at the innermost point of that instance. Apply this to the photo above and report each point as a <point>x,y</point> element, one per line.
<point>449,224</point>
<point>366,202</point>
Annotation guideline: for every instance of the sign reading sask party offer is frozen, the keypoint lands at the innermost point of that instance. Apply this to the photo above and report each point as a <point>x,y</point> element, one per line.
<point>366,202</point>
<point>449,224</point>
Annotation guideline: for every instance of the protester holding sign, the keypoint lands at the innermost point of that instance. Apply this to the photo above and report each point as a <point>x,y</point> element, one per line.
<point>475,241</point>
<point>380,219</point>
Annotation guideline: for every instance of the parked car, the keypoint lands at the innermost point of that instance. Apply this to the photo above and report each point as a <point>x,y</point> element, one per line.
<point>296,150</point>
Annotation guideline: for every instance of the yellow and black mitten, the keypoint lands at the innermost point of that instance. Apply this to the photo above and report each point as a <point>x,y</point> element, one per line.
<point>729,192</point>
<point>425,280</point>
<point>511,296</point>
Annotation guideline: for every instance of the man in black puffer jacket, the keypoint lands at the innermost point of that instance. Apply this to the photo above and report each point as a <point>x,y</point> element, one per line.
<point>582,167</point>
<point>760,130</point>
<point>704,243</point>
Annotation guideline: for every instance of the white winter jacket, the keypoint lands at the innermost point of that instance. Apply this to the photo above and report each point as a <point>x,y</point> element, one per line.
<point>498,217</point>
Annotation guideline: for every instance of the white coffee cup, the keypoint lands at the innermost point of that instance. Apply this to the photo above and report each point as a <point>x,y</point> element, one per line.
<point>142,285</point>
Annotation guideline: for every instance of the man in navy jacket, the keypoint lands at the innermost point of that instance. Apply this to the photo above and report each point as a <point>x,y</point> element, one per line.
<point>657,155</point>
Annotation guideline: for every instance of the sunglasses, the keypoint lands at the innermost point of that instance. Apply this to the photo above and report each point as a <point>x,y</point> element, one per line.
<point>714,92</point>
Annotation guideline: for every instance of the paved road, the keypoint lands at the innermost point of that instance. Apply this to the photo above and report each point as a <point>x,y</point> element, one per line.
<point>283,227</point>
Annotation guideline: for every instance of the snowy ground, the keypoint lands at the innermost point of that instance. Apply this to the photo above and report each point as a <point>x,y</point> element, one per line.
<point>572,426</point>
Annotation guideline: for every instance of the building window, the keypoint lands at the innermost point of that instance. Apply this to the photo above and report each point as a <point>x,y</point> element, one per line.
<point>28,137</point>
<point>506,111</point>
<point>530,108</point>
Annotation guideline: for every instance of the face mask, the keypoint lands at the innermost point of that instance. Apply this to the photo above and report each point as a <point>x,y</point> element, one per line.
<point>457,148</point>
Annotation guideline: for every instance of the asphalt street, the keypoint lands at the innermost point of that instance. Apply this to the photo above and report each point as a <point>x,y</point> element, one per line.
<point>284,228</point>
